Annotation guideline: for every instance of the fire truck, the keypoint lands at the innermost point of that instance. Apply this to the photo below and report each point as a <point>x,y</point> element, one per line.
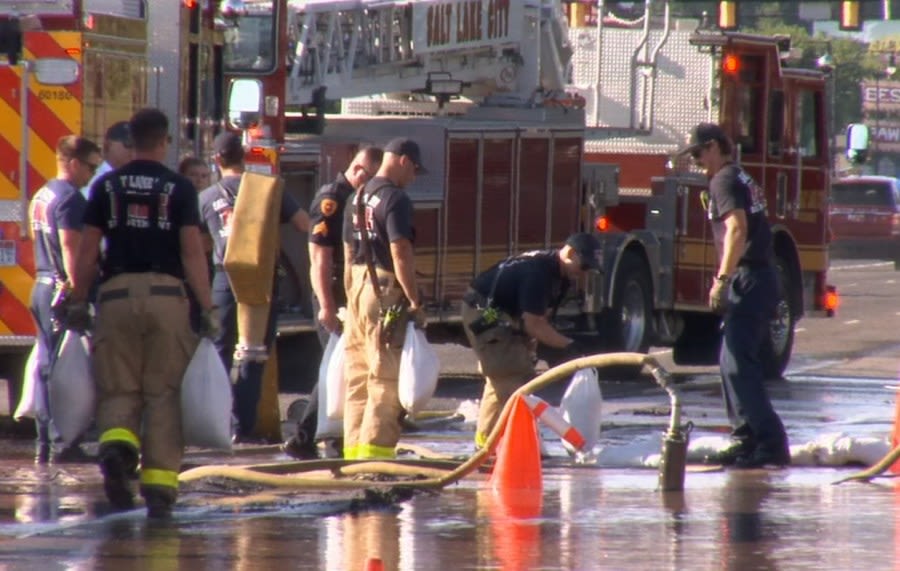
<point>538,119</point>
<point>82,66</point>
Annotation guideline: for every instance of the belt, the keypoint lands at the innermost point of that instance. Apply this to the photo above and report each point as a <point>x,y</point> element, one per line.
<point>161,290</point>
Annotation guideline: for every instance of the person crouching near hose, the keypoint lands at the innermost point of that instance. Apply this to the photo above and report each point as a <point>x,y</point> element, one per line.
<point>142,342</point>
<point>506,310</point>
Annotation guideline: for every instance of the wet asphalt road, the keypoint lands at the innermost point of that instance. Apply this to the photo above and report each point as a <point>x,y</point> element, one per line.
<point>611,517</point>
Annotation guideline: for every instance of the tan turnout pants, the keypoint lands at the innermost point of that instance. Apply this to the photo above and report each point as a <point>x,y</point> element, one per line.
<point>505,360</point>
<point>372,409</point>
<point>141,348</point>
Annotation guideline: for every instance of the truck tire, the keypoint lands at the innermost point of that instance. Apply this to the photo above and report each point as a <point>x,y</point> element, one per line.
<point>700,341</point>
<point>298,362</point>
<point>632,307</point>
<point>777,347</point>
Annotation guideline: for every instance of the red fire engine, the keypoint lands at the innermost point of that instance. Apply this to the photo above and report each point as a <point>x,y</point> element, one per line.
<point>534,126</point>
<point>85,65</point>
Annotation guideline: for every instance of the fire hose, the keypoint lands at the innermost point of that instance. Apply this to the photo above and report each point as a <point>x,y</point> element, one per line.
<point>434,474</point>
<point>875,470</point>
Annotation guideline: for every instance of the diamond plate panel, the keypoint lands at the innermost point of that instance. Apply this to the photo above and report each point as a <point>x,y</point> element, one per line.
<point>681,99</point>
<point>11,211</point>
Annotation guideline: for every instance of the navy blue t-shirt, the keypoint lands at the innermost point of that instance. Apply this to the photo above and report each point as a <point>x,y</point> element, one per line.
<point>217,208</point>
<point>389,217</point>
<point>732,188</point>
<point>141,209</point>
<point>58,205</point>
<point>531,282</point>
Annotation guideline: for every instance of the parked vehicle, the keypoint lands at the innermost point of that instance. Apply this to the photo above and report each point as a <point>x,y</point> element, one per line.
<point>864,216</point>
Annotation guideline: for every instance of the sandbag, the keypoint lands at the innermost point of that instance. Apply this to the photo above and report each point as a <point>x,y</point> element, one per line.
<point>582,406</point>
<point>33,402</point>
<point>73,396</point>
<point>335,387</point>
<point>419,369</point>
<point>206,400</point>
<point>327,427</point>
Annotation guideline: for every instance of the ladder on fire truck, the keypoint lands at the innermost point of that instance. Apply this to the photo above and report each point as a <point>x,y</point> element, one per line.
<point>352,48</point>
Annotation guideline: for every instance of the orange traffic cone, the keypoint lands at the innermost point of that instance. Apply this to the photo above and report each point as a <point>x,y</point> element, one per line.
<point>518,464</point>
<point>895,435</point>
<point>515,529</point>
<point>374,564</point>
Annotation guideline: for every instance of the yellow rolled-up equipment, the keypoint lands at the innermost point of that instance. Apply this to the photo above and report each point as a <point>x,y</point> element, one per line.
<point>251,253</point>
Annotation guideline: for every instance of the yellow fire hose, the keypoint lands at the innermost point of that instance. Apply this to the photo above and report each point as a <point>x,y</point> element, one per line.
<point>875,470</point>
<point>432,473</point>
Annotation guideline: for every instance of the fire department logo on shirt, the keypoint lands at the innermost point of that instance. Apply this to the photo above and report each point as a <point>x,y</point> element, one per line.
<point>138,216</point>
<point>328,206</point>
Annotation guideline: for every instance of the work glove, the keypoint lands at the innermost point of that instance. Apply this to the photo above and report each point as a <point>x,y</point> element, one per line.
<point>718,295</point>
<point>209,323</point>
<point>418,318</point>
<point>69,314</point>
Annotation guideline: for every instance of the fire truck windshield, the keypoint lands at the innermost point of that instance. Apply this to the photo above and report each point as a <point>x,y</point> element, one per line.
<point>250,38</point>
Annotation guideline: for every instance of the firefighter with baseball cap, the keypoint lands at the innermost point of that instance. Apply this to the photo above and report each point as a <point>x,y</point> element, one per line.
<point>382,295</point>
<point>508,307</point>
<point>216,212</point>
<point>143,341</point>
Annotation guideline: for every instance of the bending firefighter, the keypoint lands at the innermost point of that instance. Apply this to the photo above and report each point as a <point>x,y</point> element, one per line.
<point>142,341</point>
<point>380,280</point>
<point>507,309</point>
<point>326,268</point>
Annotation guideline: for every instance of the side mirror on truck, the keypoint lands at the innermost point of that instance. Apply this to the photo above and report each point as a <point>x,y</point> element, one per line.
<point>857,143</point>
<point>245,103</point>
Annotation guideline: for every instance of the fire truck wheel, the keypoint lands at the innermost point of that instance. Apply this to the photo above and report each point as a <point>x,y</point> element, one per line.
<point>776,351</point>
<point>632,306</point>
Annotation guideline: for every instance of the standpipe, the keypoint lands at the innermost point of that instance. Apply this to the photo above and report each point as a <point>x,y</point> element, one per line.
<point>435,474</point>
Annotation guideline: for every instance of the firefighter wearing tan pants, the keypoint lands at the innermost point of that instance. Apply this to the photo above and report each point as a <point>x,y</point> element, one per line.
<point>507,311</point>
<point>379,242</point>
<point>143,342</point>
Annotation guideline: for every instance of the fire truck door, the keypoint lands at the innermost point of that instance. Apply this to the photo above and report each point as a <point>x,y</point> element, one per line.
<point>812,170</point>
<point>694,250</point>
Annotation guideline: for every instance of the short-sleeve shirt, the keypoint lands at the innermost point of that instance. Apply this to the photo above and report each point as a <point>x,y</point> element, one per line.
<point>141,209</point>
<point>732,188</point>
<point>389,217</point>
<point>531,282</point>
<point>217,208</point>
<point>58,205</point>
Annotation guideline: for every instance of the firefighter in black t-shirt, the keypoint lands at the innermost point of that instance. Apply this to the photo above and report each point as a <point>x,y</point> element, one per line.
<point>326,268</point>
<point>216,210</point>
<point>509,305</point>
<point>143,340</point>
<point>745,290</point>
<point>55,214</point>
<point>372,408</point>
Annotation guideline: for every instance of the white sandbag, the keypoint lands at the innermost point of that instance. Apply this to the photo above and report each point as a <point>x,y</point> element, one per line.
<point>206,400</point>
<point>582,407</point>
<point>335,387</point>
<point>33,402</point>
<point>419,369</point>
<point>327,427</point>
<point>73,396</point>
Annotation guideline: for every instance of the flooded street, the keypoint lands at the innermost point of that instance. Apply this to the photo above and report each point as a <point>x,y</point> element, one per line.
<point>837,404</point>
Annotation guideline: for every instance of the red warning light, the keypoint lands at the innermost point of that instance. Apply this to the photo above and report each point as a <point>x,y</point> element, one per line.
<point>731,64</point>
<point>602,224</point>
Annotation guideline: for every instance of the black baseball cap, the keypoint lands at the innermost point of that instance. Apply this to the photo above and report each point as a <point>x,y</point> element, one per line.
<point>119,132</point>
<point>587,246</point>
<point>229,146</point>
<point>703,134</point>
<point>408,148</point>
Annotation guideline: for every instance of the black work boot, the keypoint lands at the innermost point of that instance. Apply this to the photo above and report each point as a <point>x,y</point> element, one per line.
<point>300,447</point>
<point>119,466</point>
<point>775,455</point>
<point>730,455</point>
<point>159,503</point>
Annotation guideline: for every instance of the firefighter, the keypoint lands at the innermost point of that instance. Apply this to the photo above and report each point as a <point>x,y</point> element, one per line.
<point>382,241</point>
<point>216,209</point>
<point>507,309</point>
<point>117,152</point>
<point>326,268</point>
<point>196,170</point>
<point>56,213</point>
<point>148,218</point>
<point>745,291</point>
